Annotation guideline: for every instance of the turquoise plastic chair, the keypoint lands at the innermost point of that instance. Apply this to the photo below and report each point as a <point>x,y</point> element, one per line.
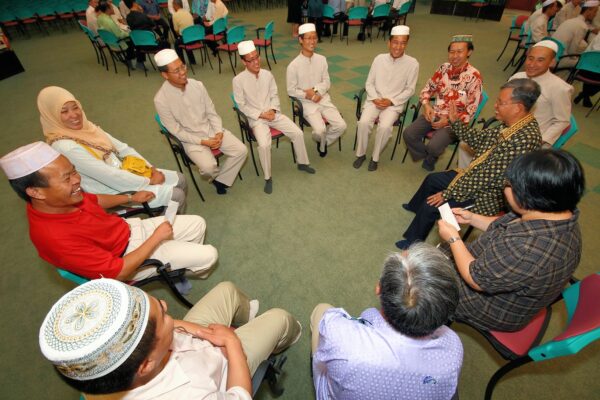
<point>193,38</point>
<point>266,41</point>
<point>145,42</point>
<point>522,347</point>
<point>356,17</point>
<point>115,48</point>
<point>98,46</point>
<point>515,25</point>
<point>219,28</point>
<point>567,133</point>
<point>588,61</point>
<point>380,15</point>
<point>235,35</point>
<point>403,12</point>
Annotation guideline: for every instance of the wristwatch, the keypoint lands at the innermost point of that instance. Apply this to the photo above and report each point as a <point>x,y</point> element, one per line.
<point>453,239</point>
<point>129,198</point>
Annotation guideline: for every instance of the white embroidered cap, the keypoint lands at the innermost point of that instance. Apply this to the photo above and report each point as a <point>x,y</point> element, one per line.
<point>246,47</point>
<point>549,44</point>
<point>94,328</point>
<point>400,30</point>
<point>165,57</point>
<point>305,28</point>
<point>548,2</point>
<point>590,4</point>
<point>27,159</point>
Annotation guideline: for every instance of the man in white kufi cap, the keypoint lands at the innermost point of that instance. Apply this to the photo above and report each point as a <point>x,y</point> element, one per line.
<point>109,340</point>
<point>188,113</point>
<point>572,32</point>
<point>553,108</point>
<point>71,230</point>
<point>539,26</point>
<point>255,93</point>
<point>569,10</point>
<point>390,83</point>
<point>308,81</point>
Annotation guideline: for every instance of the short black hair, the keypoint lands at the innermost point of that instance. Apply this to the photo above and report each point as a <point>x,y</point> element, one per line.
<point>129,3</point>
<point>525,91</point>
<point>102,6</point>
<point>470,45</point>
<point>418,290</point>
<point>546,180</point>
<point>163,68</point>
<point>121,378</point>
<point>35,179</point>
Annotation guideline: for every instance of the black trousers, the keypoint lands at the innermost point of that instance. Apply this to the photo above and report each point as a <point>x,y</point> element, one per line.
<point>426,215</point>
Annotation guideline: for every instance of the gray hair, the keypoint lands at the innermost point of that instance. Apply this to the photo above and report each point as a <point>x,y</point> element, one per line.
<point>418,290</point>
<point>525,91</point>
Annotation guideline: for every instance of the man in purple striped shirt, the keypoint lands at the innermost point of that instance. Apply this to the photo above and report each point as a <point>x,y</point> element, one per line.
<point>401,351</point>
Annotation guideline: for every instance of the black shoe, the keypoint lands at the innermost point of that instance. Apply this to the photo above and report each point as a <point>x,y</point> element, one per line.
<point>359,161</point>
<point>306,168</point>
<point>407,208</point>
<point>372,165</point>
<point>269,186</point>
<point>402,244</point>
<point>221,187</point>
<point>578,98</point>
<point>587,102</point>
<point>321,153</point>
<point>427,165</point>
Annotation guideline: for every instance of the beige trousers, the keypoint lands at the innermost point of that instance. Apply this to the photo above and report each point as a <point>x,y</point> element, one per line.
<point>268,333</point>
<point>321,131</point>
<point>185,250</point>
<point>385,126</point>
<point>315,319</point>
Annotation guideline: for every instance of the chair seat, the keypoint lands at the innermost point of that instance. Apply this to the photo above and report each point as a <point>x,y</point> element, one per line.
<point>355,22</point>
<point>29,21</point>
<point>10,23</point>
<point>261,42</point>
<point>329,21</point>
<point>478,5</point>
<point>275,133</point>
<point>429,135</point>
<point>48,18</point>
<point>519,342</point>
<point>192,46</point>
<point>214,38</point>
<point>228,47</point>
<point>216,152</point>
<point>66,16</point>
<point>587,80</point>
<point>515,37</point>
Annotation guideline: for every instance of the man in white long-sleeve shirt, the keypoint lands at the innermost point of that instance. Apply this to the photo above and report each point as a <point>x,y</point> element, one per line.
<point>187,111</point>
<point>553,108</point>
<point>572,32</point>
<point>308,81</point>
<point>539,27</point>
<point>255,93</point>
<point>391,82</point>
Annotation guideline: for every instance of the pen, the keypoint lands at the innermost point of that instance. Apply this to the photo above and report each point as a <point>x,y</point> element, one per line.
<point>468,207</point>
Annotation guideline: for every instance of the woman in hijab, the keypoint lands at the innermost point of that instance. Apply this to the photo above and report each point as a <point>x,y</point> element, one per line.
<point>99,157</point>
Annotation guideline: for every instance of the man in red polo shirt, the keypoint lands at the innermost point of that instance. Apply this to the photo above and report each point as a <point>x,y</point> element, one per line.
<point>71,230</point>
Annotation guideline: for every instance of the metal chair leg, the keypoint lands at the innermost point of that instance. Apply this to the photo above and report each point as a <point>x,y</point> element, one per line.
<point>195,183</point>
<point>503,371</point>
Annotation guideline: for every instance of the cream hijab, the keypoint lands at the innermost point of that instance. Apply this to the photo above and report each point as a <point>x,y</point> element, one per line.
<point>50,102</point>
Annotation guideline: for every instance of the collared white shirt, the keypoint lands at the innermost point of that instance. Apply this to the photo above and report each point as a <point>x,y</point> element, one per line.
<point>552,109</point>
<point>393,79</point>
<point>188,114</point>
<point>571,34</point>
<point>309,73</point>
<point>255,94</point>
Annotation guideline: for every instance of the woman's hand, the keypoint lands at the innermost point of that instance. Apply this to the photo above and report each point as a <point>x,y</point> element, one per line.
<point>142,196</point>
<point>446,231</point>
<point>463,216</point>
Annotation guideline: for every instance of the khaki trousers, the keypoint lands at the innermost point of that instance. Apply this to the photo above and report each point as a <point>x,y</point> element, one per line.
<point>268,333</point>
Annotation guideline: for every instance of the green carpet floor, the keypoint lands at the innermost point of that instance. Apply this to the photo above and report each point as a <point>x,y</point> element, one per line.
<point>317,238</point>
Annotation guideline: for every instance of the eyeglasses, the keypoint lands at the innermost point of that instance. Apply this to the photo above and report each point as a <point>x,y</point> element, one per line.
<point>501,103</point>
<point>257,58</point>
<point>178,70</point>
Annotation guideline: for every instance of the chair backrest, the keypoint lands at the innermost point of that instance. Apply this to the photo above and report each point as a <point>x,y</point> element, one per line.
<point>193,33</point>
<point>589,61</point>
<point>359,97</point>
<point>382,10</point>
<point>328,11</point>
<point>581,300</point>
<point>236,34</point>
<point>80,280</point>
<point>269,27</point>
<point>88,31</point>
<point>405,8</point>
<point>358,13</point>
<point>519,20</point>
<point>219,26</point>
<point>482,102</point>
<point>233,100</point>
<point>143,38</point>
<point>109,38</point>
<point>567,133</point>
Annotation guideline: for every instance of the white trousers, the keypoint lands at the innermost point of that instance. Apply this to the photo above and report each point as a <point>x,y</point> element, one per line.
<point>235,154</point>
<point>385,126</point>
<point>185,250</point>
<point>321,131</point>
<point>268,333</point>
<point>262,133</point>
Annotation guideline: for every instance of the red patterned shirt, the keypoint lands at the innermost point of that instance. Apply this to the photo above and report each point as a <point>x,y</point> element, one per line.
<point>463,85</point>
